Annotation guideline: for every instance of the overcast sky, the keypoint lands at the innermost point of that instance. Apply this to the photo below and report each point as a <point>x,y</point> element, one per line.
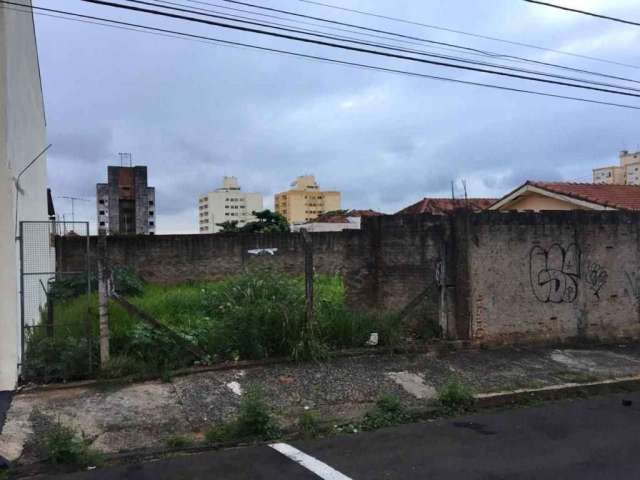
<point>194,112</point>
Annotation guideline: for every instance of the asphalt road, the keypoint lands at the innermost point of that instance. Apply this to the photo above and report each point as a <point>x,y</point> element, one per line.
<point>597,438</point>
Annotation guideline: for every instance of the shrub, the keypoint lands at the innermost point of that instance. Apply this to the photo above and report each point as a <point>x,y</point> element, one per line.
<point>126,282</point>
<point>64,447</point>
<point>220,433</point>
<point>178,441</point>
<point>387,413</point>
<point>455,396</point>
<point>122,366</point>
<point>255,419</point>
<point>56,359</point>
<point>309,424</point>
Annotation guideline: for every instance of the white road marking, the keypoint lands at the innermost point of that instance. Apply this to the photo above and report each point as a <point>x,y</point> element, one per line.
<point>314,465</point>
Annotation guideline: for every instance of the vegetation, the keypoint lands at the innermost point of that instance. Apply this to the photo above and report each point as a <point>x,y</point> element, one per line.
<point>254,422</point>
<point>455,397</point>
<point>255,315</point>
<point>266,222</point>
<point>309,425</point>
<point>388,412</point>
<point>64,447</point>
<point>178,441</point>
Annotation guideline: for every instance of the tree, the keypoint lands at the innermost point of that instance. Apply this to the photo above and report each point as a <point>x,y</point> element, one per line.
<point>267,222</point>
<point>229,226</point>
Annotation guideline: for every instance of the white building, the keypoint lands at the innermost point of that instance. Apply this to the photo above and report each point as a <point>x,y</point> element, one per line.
<point>227,204</point>
<point>22,138</point>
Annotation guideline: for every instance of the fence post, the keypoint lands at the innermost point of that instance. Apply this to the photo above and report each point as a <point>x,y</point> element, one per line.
<point>308,276</point>
<point>103,300</point>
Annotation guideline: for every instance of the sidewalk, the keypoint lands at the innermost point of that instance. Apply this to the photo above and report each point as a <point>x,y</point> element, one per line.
<point>120,417</point>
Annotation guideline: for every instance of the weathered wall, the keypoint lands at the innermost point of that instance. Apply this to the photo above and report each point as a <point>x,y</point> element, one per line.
<point>554,276</point>
<point>171,259</point>
<point>491,277</point>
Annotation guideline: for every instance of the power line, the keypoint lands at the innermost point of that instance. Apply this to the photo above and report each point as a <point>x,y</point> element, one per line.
<point>476,35</point>
<point>584,12</point>
<point>205,39</point>
<point>469,50</point>
<point>391,47</point>
<point>352,48</point>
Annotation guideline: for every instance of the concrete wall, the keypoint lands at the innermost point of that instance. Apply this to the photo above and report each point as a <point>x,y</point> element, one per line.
<point>554,277</point>
<point>492,277</point>
<point>22,137</point>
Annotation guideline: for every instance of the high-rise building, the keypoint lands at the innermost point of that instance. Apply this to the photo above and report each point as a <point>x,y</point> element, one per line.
<point>627,173</point>
<point>305,201</point>
<point>227,204</point>
<point>126,205</point>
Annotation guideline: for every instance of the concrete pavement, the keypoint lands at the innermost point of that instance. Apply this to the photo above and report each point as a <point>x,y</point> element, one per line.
<point>596,438</point>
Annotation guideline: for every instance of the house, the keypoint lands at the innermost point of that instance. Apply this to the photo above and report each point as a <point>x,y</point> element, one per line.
<point>444,206</point>
<point>336,221</point>
<point>536,196</point>
<point>23,171</point>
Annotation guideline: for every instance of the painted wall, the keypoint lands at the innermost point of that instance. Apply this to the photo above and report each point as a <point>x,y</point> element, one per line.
<point>535,202</point>
<point>22,137</point>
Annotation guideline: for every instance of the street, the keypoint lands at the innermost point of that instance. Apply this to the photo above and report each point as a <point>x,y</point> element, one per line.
<point>596,438</point>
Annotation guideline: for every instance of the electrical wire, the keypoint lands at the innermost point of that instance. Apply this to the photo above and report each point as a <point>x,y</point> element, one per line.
<point>584,12</point>
<point>352,48</point>
<point>205,39</point>
<point>462,32</point>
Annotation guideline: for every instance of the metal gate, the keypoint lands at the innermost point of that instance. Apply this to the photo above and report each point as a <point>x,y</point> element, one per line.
<point>44,283</point>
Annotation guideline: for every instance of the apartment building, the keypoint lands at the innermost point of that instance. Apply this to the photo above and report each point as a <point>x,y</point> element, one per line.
<point>627,173</point>
<point>126,204</point>
<point>305,201</point>
<point>227,204</point>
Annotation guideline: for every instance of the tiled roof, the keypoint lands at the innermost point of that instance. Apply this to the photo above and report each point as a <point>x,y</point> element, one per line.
<point>625,197</point>
<point>443,206</point>
<point>341,216</point>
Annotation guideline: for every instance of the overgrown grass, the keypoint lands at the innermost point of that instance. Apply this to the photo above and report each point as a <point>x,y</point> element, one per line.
<point>178,441</point>
<point>388,412</point>
<point>63,446</point>
<point>254,315</point>
<point>255,421</point>
<point>455,397</point>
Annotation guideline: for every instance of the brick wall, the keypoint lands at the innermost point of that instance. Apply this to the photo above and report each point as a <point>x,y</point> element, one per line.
<point>491,277</point>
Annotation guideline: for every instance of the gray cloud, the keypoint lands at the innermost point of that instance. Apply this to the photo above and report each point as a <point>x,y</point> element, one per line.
<point>195,112</point>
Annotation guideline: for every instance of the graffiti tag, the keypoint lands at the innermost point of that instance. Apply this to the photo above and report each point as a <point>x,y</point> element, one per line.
<point>596,278</point>
<point>554,273</point>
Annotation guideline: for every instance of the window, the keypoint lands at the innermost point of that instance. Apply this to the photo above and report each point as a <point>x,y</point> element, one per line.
<point>102,224</point>
<point>151,223</point>
<point>101,212</point>
<point>151,213</point>
<point>101,202</point>
<point>151,203</point>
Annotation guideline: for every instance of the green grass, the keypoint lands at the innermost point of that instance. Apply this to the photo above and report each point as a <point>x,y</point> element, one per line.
<point>388,412</point>
<point>455,396</point>
<point>178,441</point>
<point>63,446</point>
<point>255,315</point>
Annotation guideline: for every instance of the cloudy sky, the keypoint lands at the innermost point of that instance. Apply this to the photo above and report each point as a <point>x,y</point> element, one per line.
<point>194,111</point>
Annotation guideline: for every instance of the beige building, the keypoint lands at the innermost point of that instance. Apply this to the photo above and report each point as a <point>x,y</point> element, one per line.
<point>227,204</point>
<point>540,196</point>
<point>305,201</point>
<point>627,173</point>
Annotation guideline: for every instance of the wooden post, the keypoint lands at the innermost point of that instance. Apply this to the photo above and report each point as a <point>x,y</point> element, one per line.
<point>308,276</point>
<point>103,300</point>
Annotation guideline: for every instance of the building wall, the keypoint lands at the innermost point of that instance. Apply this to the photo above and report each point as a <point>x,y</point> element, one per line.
<point>222,206</point>
<point>489,277</point>
<point>536,203</point>
<point>553,277</point>
<point>306,201</point>
<point>22,138</point>
<point>626,173</point>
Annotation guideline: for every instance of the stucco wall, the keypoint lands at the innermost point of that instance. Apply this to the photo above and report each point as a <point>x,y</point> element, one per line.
<point>537,203</point>
<point>22,137</point>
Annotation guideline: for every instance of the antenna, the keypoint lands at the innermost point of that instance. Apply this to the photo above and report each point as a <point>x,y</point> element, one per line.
<point>453,195</point>
<point>73,203</point>
<point>466,199</point>
<point>125,157</point>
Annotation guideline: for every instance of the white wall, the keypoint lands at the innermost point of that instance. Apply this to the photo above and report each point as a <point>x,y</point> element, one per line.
<point>22,137</point>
